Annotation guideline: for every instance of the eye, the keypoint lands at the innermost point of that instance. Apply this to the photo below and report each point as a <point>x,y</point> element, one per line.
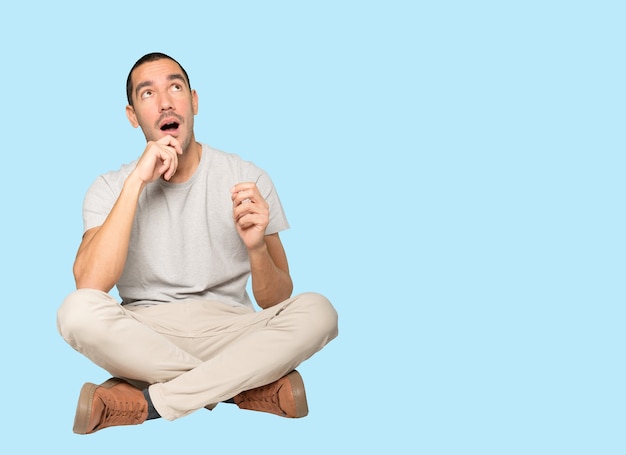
<point>146,94</point>
<point>177,87</point>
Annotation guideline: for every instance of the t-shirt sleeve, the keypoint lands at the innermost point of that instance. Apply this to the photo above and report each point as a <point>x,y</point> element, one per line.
<point>98,202</point>
<point>278,220</point>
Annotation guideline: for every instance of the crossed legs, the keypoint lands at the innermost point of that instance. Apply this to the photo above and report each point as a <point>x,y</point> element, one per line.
<point>197,352</point>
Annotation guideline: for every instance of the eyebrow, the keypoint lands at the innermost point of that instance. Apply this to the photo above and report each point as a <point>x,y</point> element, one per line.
<point>171,77</point>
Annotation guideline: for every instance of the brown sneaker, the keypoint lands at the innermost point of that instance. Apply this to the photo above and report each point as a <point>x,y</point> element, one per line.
<point>115,402</point>
<point>284,397</point>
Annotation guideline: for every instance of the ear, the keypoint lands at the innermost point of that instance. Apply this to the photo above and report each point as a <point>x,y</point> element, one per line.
<point>194,101</point>
<point>132,117</point>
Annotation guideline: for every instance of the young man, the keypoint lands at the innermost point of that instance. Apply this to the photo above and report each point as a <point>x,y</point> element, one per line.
<point>179,231</point>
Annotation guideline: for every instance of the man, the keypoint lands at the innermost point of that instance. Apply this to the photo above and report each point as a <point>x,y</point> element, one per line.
<point>179,231</point>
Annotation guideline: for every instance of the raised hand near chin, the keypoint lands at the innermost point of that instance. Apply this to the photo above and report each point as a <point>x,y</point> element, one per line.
<point>159,158</point>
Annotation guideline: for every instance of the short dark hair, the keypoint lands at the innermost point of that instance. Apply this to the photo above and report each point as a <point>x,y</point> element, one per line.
<point>151,57</point>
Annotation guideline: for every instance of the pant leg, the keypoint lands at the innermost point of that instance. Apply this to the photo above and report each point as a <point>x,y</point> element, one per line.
<point>262,347</point>
<point>196,354</point>
<point>114,338</point>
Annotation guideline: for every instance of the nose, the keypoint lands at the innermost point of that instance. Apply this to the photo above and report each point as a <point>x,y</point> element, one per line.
<point>165,103</point>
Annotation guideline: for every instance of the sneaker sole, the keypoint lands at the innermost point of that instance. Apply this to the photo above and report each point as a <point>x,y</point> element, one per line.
<point>299,395</point>
<point>85,403</point>
<point>83,408</point>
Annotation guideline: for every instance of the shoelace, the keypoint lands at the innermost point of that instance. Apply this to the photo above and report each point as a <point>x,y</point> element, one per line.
<point>264,398</point>
<point>116,410</point>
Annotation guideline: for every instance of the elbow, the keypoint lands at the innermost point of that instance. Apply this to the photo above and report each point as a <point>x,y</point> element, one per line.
<point>86,280</point>
<point>267,300</point>
<point>78,276</point>
<point>93,284</point>
<point>284,293</point>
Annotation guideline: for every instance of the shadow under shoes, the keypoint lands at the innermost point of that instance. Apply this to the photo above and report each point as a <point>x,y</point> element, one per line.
<point>113,403</point>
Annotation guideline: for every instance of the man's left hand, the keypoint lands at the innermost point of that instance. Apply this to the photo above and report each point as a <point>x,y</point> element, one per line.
<point>251,214</point>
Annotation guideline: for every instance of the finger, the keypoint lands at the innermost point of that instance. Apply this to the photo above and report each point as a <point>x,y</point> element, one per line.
<point>244,186</point>
<point>247,195</point>
<point>174,159</point>
<point>239,197</point>
<point>166,169</point>
<point>169,172</point>
<point>241,210</point>
<point>243,199</point>
<point>171,141</point>
<point>250,220</point>
<point>169,160</point>
<point>251,213</point>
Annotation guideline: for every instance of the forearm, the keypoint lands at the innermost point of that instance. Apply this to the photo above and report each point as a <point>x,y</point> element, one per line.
<point>100,260</point>
<point>270,284</point>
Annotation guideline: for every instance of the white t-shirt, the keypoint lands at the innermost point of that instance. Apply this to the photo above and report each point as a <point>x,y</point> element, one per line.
<point>184,243</point>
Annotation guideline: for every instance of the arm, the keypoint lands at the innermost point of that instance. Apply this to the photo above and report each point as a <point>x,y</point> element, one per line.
<point>102,253</point>
<point>271,282</point>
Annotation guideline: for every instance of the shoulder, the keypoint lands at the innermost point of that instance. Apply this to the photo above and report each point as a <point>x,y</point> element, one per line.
<point>221,156</point>
<point>119,174</point>
<point>113,180</point>
<point>221,161</point>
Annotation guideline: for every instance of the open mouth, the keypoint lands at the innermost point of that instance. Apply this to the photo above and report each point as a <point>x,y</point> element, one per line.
<point>169,123</point>
<point>170,126</point>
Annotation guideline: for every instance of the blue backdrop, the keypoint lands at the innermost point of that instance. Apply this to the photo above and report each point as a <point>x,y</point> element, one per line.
<point>453,174</point>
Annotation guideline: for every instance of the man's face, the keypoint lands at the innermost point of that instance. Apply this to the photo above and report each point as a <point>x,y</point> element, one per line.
<point>163,102</point>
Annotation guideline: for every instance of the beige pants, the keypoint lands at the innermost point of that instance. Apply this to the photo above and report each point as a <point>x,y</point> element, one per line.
<point>197,352</point>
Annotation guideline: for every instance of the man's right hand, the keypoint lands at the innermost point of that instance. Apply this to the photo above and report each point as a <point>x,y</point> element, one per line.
<point>160,158</point>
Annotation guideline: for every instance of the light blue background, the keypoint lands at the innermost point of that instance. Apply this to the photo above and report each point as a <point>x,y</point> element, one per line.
<point>454,176</point>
